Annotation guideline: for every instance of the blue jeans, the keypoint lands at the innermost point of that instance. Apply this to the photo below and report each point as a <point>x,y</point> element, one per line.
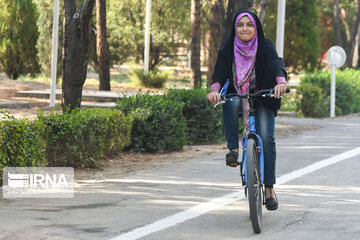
<point>265,127</point>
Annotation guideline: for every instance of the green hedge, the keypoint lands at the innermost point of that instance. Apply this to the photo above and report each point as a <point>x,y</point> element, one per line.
<point>311,103</point>
<point>204,123</point>
<point>158,123</point>
<point>145,123</point>
<point>347,91</point>
<point>21,143</point>
<point>78,139</point>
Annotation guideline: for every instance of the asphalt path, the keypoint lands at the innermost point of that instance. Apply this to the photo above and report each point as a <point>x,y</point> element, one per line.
<point>318,191</point>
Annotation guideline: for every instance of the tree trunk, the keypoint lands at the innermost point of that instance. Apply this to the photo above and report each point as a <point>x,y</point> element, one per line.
<point>264,5</point>
<point>195,43</point>
<point>337,23</point>
<point>102,49</point>
<point>356,50</point>
<point>76,51</point>
<point>233,7</point>
<point>353,34</point>
<point>214,40</point>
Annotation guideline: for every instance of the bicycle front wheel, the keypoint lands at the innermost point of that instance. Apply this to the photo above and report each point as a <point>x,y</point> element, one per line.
<point>253,184</point>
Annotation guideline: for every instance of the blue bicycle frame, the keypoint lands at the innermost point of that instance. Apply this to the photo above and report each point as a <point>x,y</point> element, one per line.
<point>259,143</point>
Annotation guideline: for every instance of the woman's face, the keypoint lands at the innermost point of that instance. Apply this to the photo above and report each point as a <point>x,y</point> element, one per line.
<point>245,30</point>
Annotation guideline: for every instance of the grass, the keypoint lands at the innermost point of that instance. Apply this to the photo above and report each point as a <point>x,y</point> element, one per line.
<point>40,79</point>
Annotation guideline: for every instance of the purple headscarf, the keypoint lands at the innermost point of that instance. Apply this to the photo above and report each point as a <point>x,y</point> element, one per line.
<point>244,55</point>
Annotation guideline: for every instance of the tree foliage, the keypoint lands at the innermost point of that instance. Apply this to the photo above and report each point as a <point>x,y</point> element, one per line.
<point>18,36</point>
<point>170,24</point>
<point>327,26</point>
<point>44,43</point>
<point>302,40</point>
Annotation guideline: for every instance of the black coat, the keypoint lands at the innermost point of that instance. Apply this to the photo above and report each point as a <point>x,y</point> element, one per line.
<point>268,65</point>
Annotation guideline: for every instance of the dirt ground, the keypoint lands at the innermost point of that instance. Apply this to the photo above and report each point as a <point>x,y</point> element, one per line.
<point>122,164</point>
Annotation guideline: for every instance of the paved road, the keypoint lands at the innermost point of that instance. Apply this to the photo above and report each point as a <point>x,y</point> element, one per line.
<point>318,204</point>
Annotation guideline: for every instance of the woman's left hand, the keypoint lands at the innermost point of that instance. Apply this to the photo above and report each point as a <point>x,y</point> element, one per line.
<point>279,90</point>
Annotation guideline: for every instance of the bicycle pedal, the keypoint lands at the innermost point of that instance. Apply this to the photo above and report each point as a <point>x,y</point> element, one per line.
<point>232,164</point>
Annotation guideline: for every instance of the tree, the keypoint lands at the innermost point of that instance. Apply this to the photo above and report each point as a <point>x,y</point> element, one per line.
<point>18,36</point>
<point>326,28</point>
<point>348,11</point>
<point>353,34</point>
<point>170,21</point>
<point>102,46</point>
<point>195,43</point>
<point>76,51</point>
<point>214,39</point>
<point>337,23</point>
<point>227,16</point>
<point>302,38</point>
<point>44,42</point>
<point>263,6</point>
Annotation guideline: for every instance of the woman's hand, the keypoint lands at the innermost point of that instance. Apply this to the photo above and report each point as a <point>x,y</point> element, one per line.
<point>214,97</point>
<point>279,90</point>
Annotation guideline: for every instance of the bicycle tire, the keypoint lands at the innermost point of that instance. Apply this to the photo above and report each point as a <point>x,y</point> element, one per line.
<point>253,184</point>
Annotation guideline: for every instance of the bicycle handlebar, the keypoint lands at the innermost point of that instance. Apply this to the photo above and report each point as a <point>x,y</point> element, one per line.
<point>262,93</point>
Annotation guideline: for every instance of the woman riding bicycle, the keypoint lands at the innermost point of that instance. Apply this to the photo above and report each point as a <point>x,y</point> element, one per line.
<point>250,62</point>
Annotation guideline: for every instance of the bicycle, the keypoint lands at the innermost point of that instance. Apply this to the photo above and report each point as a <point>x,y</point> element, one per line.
<point>252,164</point>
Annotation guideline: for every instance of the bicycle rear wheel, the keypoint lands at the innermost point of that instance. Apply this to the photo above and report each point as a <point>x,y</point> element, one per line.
<point>253,184</point>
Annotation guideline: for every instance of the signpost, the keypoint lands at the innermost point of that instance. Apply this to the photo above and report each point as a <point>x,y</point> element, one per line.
<point>336,58</point>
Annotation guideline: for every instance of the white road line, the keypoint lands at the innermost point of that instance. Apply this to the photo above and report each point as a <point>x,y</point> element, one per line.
<point>227,199</point>
<point>318,165</point>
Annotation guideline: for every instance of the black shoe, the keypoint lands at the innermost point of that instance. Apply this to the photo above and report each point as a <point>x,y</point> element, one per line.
<point>232,159</point>
<point>271,201</point>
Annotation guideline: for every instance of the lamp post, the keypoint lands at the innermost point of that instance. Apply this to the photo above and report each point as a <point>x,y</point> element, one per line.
<point>54,53</point>
<point>280,28</point>
<point>147,36</point>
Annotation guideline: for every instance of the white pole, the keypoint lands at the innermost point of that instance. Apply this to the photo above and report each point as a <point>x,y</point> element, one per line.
<point>54,53</point>
<point>147,36</point>
<point>333,88</point>
<point>280,29</point>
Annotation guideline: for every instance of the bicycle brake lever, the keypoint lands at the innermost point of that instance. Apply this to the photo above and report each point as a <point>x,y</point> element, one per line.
<point>222,102</point>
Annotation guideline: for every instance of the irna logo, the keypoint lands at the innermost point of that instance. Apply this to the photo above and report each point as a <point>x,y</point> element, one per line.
<point>37,180</point>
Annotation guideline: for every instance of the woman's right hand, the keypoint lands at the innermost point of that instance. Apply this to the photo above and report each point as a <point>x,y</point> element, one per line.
<point>214,97</point>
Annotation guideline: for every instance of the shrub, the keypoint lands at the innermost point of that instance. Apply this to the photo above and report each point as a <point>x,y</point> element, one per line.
<point>78,139</point>
<point>288,102</point>
<point>204,124</point>
<point>154,79</point>
<point>311,102</point>
<point>347,98</point>
<point>158,123</point>
<point>21,143</point>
